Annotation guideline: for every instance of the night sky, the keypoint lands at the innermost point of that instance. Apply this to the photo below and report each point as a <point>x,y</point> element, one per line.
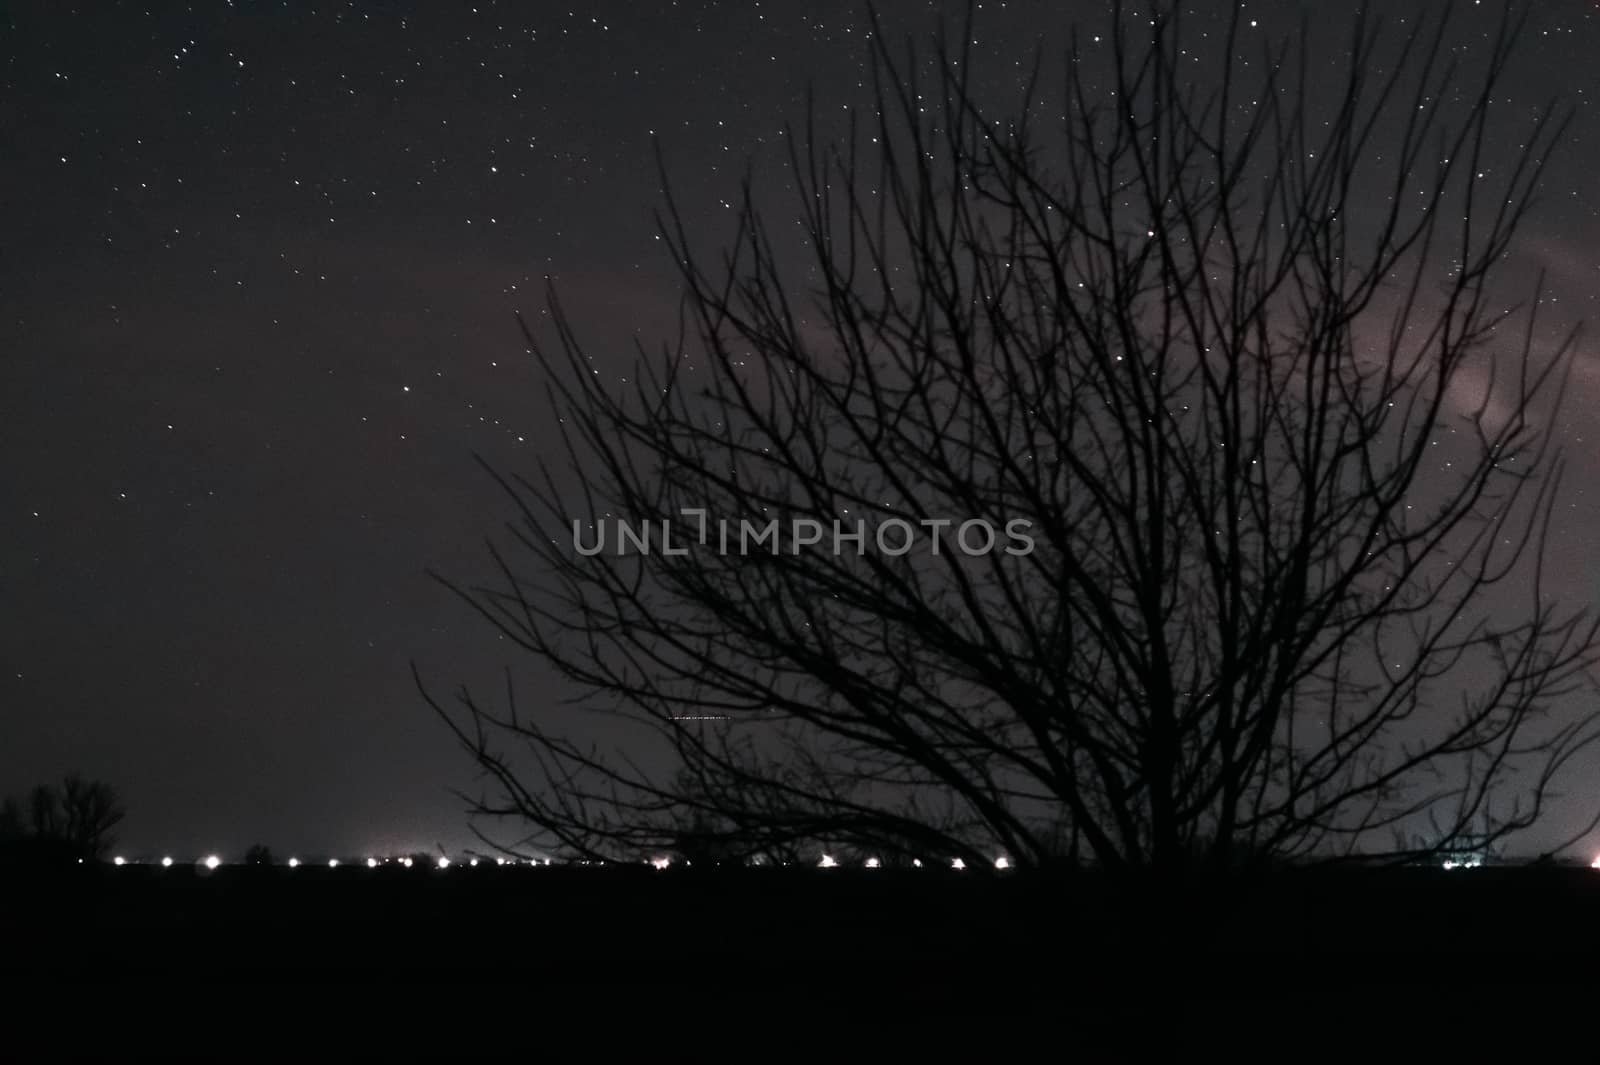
<point>258,269</point>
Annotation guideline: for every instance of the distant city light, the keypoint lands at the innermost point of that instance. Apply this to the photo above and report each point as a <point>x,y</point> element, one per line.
<point>444,863</point>
<point>166,863</point>
<point>1595,864</point>
<point>958,864</point>
<point>873,863</point>
<point>473,863</point>
<point>499,861</point>
<point>828,862</point>
<point>212,861</point>
<point>120,860</point>
<point>294,863</point>
<point>1002,863</point>
<point>372,863</point>
<point>660,863</point>
<point>333,863</point>
<point>406,862</point>
<point>917,862</point>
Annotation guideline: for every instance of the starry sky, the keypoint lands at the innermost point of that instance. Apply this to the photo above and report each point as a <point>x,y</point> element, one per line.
<point>258,270</point>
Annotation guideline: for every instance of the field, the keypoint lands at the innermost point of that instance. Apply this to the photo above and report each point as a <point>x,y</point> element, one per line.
<point>868,939</point>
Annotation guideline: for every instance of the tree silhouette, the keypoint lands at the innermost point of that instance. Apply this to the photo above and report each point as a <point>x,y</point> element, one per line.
<point>1229,351</point>
<point>45,818</point>
<point>77,817</point>
<point>259,854</point>
<point>13,825</point>
<point>90,813</point>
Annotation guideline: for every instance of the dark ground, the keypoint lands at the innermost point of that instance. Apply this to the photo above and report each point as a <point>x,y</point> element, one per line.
<point>630,922</point>
<point>975,952</point>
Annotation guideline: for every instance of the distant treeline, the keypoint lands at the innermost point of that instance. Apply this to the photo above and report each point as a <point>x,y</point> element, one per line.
<point>76,818</point>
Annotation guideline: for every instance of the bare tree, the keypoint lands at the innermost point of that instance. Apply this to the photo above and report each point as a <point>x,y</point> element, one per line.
<point>259,854</point>
<point>79,816</point>
<point>45,818</point>
<point>1228,353</point>
<point>90,814</point>
<point>13,825</point>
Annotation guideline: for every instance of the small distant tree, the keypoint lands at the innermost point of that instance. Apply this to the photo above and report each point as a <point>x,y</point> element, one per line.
<point>44,813</point>
<point>701,841</point>
<point>13,825</point>
<point>90,812</point>
<point>259,854</point>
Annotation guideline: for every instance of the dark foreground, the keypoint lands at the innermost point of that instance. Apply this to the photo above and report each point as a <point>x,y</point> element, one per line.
<point>870,944</point>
